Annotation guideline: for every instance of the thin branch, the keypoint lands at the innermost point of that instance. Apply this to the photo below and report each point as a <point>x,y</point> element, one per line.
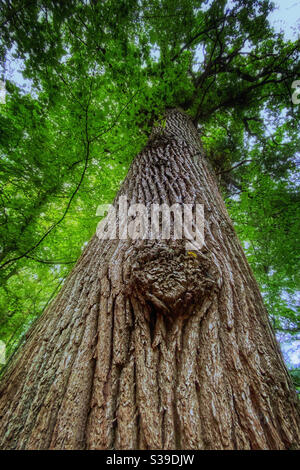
<point>117,117</point>
<point>46,261</point>
<point>87,143</point>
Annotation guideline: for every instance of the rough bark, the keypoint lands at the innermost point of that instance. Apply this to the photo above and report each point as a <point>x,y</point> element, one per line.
<point>150,347</point>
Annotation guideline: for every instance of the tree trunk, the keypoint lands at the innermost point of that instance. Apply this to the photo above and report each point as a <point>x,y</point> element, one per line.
<point>150,346</point>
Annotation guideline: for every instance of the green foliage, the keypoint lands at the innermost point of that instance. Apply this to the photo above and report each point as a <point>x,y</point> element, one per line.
<point>295,373</point>
<point>267,220</point>
<point>102,73</point>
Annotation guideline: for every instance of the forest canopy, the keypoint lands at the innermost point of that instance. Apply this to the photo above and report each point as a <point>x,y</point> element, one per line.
<point>100,75</point>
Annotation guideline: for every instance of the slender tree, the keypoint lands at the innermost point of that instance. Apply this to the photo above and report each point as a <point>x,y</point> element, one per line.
<point>149,345</point>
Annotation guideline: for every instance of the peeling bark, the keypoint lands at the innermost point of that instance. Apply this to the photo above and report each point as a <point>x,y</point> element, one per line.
<point>148,346</point>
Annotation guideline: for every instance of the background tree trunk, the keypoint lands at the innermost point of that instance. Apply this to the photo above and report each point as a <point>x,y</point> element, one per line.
<point>148,346</point>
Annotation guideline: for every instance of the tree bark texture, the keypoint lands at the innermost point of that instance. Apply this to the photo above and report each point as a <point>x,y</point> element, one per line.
<point>148,346</point>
